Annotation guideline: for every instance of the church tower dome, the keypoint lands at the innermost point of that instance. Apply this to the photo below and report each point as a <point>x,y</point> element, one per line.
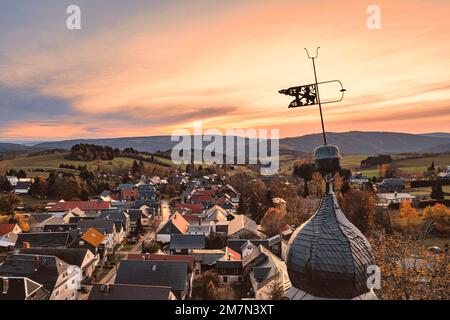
<point>328,256</point>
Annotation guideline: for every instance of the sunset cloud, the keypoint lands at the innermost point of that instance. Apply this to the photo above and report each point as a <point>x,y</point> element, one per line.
<point>148,67</point>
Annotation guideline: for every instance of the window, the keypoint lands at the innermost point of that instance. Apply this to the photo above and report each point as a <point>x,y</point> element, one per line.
<point>225,279</point>
<point>66,287</point>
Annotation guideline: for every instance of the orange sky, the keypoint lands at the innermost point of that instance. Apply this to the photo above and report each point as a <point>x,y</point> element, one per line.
<point>149,72</point>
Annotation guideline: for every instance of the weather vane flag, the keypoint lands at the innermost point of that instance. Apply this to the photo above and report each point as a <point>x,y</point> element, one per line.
<point>308,94</point>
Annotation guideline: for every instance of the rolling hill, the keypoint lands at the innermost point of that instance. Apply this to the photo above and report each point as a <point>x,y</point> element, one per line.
<point>349,142</point>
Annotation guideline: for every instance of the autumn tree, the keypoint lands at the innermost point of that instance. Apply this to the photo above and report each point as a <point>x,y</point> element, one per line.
<point>410,215</point>
<point>150,247</point>
<point>22,222</point>
<point>360,208</point>
<point>305,171</point>
<point>437,220</point>
<point>9,203</point>
<point>273,221</point>
<point>408,270</point>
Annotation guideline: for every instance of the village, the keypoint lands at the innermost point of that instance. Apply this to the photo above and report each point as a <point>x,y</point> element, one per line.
<point>179,237</point>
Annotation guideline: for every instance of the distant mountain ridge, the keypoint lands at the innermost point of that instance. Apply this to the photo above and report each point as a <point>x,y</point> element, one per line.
<point>354,142</point>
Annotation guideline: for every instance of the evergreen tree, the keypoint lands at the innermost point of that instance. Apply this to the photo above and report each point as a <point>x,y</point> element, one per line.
<point>436,190</point>
<point>5,185</point>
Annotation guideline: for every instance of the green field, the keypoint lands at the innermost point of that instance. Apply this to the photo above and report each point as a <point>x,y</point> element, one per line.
<point>51,162</point>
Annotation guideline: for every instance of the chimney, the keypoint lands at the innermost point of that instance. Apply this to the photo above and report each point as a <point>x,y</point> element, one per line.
<point>26,245</point>
<point>37,261</point>
<point>5,285</point>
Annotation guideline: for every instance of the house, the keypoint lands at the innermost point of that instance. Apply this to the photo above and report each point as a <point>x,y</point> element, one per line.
<point>9,230</point>
<point>130,292</point>
<point>205,259</point>
<point>13,180</point>
<point>76,212</point>
<point>265,270</point>
<point>172,274</point>
<point>22,187</point>
<point>183,244</point>
<point>117,214</point>
<point>229,268</point>
<point>128,191</point>
<point>391,185</point>
<point>36,226</point>
<point>194,208</point>
<point>60,227</point>
<point>147,192</point>
<point>359,179</point>
<point>88,207</point>
<point>44,240</point>
<point>113,237</point>
<point>175,225</point>
<point>272,243</point>
<point>21,288</point>
<point>242,227</point>
<point>7,244</point>
<point>93,240</point>
<point>280,204</point>
<point>152,205</point>
<point>80,257</point>
<point>217,213</point>
<point>231,192</point>
<point>386,199</point>
<point>164,257</point>
<point>59,279</point>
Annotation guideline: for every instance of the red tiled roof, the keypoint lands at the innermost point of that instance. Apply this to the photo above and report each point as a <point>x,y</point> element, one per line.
<point>233,255</point>
<point>6,228</point>
<point>191,218</point>
<point>163,257</point>
<point>194,207</point>
<point>82,205</point>
<point>202,198</point>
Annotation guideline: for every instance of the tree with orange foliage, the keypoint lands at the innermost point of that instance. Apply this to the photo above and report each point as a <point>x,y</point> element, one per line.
<point>273,221</point>
<point>408,270</point>
<point>436,218</point>
<point>410,215</point>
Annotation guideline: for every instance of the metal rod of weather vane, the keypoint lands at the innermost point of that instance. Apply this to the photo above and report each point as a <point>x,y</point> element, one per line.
<point>320,104</point>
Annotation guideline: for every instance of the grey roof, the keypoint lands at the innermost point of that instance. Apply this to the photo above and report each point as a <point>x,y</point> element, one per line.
<point>42,269</point>
<point>153,273</point>
<point>328,256</point>
<point>228,264</point>
<point>116,215</point>
<point>37,218</point>
<point>236,244</point>
<point>72,256</point>
<point>44,239</point>
<point>135,214</point>
<point>20,288</point>
<point>107,225</point>
<point>59,227</point>
<point>129,292</point>
<point>187,241</point>
<point>125,186</point>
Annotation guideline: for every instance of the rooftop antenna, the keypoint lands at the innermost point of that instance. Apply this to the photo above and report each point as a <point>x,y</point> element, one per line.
<point>308,95</point>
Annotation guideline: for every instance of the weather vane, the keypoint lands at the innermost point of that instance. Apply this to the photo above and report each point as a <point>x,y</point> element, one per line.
<point>308,95</point>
